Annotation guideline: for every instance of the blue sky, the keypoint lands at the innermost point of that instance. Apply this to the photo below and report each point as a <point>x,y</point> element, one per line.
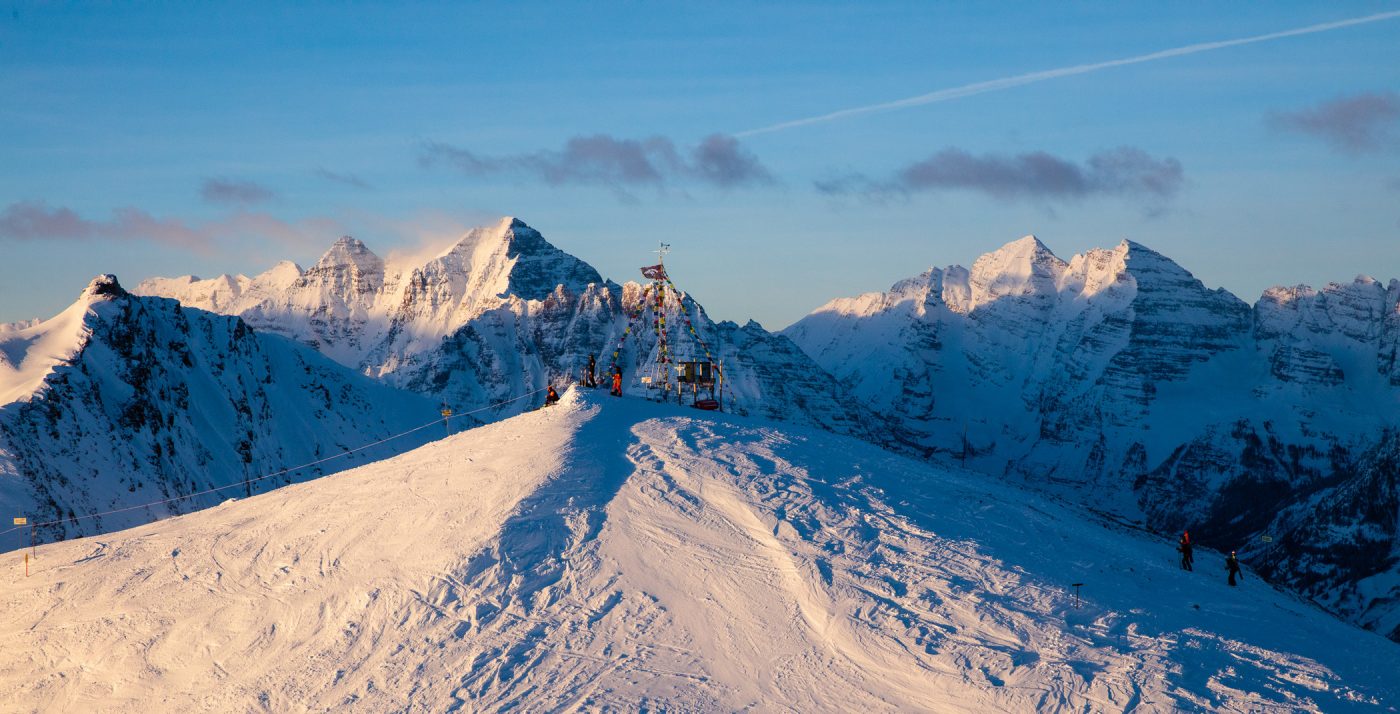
<point>170,139</point>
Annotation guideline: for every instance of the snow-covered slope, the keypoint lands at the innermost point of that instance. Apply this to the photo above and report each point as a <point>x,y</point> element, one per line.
<point>124,400</point>
<point>619,555</point>
<point>500,313</point>
<point>1119,379</point>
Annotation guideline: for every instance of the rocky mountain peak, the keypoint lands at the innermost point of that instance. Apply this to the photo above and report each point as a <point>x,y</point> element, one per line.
<point>104,287</point>
<point>540,266</point>
<point>918,285</point>
<point>284,273</point>
<point>1023,267</point>
<point>1144,262</point>
<point>349,251</point>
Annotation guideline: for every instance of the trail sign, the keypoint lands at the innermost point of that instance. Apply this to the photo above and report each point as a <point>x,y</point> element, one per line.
<point>21,521</point>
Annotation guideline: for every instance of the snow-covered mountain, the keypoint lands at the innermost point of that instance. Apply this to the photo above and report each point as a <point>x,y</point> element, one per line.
<point>124,400</point>
<point>1121,380</point>
<point>608,555</point>
<point>501,313</point>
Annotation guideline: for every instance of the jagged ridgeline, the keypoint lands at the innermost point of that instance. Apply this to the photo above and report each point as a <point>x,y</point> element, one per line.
<point>1119,380</point>
<point>126,399</point>
<point>500,313</point>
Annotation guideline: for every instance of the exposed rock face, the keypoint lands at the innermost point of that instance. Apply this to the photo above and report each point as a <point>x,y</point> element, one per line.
<point>147,400</point>
<point>1338,544</point>
<point>1118,379</point>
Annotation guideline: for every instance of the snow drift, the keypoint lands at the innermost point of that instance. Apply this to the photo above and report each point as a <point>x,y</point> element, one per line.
<point>612,553</point>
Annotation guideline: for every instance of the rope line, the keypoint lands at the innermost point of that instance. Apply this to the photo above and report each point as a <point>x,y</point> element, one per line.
<point>289,469</point>
<point>659,323</point>
<point>631,322</point>
<point>690,325</point>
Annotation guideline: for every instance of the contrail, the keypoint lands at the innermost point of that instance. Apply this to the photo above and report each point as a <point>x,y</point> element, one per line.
<point>997,85</point>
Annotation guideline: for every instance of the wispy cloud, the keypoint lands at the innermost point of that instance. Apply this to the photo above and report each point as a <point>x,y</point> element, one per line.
<point>234,192</point>
<point>1355,125</point>
<point>1124,171</point>
<point>350,180</point>
<point>37,221</point>
<point>604,160</point>
<point>997,85</point>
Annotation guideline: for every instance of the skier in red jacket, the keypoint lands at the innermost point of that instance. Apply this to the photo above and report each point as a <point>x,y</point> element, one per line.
<point>1183,546</point>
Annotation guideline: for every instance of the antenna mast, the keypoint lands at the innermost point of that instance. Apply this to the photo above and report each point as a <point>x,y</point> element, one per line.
<point>663,346</point>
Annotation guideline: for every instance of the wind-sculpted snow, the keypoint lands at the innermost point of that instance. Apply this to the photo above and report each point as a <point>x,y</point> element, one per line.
<point>126,400</point>
<point>1119,379</point>
<point>613,554</point>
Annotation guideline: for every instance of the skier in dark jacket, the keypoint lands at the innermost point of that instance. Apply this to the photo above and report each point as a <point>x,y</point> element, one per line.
<point>1232,564</point>
<point>551,396</point>
<point>1183,546</point>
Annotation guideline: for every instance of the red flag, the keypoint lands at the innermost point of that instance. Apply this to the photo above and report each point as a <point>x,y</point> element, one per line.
<point>654,272</point>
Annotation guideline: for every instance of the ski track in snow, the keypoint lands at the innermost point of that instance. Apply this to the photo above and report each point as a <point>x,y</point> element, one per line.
<point>617,555</point>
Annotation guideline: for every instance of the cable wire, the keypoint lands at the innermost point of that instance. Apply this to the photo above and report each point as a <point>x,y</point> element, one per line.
<point>244,483</point>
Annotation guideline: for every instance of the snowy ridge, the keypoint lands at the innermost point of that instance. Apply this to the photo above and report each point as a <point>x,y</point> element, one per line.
<point>618,554</point>
<point>124,400</point>
<point>29,351</point>
<point>1118,378</point>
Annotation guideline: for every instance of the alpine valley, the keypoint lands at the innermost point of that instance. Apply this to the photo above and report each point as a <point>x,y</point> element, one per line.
<point>1114,383</point>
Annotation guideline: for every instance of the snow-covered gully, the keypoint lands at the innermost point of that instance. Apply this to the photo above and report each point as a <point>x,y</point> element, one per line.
<point>612,554</point>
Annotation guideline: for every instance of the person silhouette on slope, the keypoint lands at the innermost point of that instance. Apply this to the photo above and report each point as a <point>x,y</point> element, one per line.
<point>1232,565</point>
<point>551,396</point>
<point>1183,546</point>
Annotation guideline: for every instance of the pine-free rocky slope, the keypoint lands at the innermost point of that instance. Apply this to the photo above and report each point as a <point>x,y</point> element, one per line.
<point>611,554</point>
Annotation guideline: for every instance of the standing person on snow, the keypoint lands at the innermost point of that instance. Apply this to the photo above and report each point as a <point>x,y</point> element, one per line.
<point>1184,547</point>
<point>1232,564</point>
<point>590,380</point>
<point>551,396</point>
<point>617,383</point>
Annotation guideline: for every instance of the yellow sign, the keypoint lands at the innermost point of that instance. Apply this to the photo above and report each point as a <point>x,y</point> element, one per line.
<point>447,412</point>
<point>21,521</point>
